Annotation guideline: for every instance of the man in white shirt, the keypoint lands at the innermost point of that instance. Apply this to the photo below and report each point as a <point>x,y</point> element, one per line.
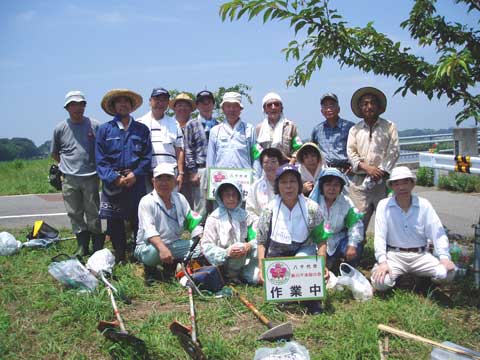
<point>165,134</point>
<point>403,224</point>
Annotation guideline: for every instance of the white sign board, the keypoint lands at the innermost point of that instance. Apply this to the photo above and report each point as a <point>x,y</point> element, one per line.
<point>243,177</point>
<point>294,278</point>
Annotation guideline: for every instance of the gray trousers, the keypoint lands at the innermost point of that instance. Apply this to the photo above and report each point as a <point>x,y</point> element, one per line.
<point>196,195</point>
<point>82,202</point>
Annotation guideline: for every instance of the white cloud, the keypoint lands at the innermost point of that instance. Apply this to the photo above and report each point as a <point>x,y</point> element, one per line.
<point>26,16</point>
<point>158,19</point>
<point>113,17</point>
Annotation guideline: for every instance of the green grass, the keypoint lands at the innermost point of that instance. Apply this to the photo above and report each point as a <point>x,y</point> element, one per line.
<point>39,319</point>
<point>25,177</point>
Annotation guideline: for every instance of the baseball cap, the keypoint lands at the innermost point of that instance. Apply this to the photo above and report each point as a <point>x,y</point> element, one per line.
<point>164,169</point>
<point>204,94</point>
<point>331,96</point>
<point>159,92</point>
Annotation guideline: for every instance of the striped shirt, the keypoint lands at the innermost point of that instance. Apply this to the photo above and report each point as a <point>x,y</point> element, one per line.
<point>195,145</point>
<point>166,136</point>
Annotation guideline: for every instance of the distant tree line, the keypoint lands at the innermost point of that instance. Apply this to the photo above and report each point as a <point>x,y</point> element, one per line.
<point>22,148</point>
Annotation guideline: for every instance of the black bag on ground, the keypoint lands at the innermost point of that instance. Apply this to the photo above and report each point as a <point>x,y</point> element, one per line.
<point>41,230</point>
<point>55,177</point>
<point>208,278</point>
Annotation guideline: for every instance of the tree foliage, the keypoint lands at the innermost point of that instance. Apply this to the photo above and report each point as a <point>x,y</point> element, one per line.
<point>325,34</point>
<point>18,148</point>
<point>218,95</point>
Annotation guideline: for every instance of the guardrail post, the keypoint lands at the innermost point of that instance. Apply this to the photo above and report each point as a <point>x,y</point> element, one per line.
<point>436,176</point>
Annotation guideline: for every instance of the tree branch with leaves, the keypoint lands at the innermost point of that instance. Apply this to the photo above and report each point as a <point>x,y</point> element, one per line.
<point>325,35</point>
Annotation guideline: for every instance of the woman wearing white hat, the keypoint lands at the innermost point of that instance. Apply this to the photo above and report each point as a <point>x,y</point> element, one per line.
<point>342,218</point>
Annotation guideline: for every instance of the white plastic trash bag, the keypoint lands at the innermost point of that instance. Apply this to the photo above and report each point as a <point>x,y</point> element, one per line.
<point>8,244</point>
<point>354,280</point>
<point>290,351</point>
<point>72,273</point>
<point>101,261</point>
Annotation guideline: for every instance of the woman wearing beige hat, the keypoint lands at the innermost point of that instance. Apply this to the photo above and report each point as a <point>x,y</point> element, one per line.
<point>311,164</point>
<point>123,156</point>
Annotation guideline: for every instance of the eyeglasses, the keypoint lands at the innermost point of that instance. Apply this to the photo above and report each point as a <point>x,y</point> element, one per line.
<point>272,104</point>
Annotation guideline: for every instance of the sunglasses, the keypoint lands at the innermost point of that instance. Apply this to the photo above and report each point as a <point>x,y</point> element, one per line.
<point>272,104</point>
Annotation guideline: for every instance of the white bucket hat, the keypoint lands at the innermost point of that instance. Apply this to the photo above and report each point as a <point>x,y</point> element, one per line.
<point>164,169</point>
<point>399,173</point>
<point>271,96</point>
<point>232,97</point>
<point>74,96</point>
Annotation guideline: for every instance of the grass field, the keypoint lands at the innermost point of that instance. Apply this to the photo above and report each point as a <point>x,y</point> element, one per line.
<point>41,320</point>
<point>25,177</point>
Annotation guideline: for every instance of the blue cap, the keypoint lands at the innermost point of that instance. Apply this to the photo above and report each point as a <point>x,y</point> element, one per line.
<point>159,92</point>
<point>284,168</point>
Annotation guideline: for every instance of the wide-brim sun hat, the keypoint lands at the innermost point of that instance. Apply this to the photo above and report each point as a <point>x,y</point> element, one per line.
<point>357,95</point>
<point>232,97</point>
<point>331,171</point>
<point>399,173</point>
<point>109,98</point>
<point>303,149</point>
<point>74,96</point>
<point>182,97</point>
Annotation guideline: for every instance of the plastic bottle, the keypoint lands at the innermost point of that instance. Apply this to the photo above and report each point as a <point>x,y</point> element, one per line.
<point>455,252</point>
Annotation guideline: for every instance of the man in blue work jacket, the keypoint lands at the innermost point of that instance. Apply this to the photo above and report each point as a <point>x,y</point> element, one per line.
<point>123,154</point>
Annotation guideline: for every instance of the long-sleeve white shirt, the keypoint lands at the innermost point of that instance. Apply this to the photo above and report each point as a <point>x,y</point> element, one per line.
<point>394,227</point>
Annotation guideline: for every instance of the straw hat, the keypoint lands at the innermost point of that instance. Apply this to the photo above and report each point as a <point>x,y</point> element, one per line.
<point>182,96</point>
<point>109,99</point>
<point>357,95</point>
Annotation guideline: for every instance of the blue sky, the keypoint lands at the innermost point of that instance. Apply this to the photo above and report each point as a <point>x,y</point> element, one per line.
<point>49,47</point>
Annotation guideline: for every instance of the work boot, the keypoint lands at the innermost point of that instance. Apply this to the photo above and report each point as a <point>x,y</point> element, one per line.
<point>83,240</point>
<point>150,275</point>
<point>313,307</point>
<point>98,241</point>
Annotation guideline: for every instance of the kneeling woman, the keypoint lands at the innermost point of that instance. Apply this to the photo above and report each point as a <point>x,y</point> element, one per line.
<point>341,217</point>
<point>225,233</point>
<point>291,223</point>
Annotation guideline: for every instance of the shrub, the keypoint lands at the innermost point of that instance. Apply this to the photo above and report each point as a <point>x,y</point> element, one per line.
<point>425,176</point>
<point>460,182</point>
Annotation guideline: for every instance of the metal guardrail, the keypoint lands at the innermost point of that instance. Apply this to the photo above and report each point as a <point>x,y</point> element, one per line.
<point>412,157</point>
<point>445,162</point>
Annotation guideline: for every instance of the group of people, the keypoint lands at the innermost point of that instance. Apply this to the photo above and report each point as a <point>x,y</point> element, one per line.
<point>307,198</point>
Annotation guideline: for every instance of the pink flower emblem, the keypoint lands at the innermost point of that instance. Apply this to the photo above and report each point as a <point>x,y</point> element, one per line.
<point>278,271</point>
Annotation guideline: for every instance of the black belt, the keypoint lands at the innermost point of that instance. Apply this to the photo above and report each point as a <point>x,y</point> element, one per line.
<point>414,249</point>
<point>201,166</point>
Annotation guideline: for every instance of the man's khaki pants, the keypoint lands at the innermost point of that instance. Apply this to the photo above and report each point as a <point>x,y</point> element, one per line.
<point>422,264</point>
<point>366,200</point>
<point>81,199</point>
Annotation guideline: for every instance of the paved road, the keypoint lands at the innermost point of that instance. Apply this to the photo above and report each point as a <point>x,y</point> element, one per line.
<point>456,210</point>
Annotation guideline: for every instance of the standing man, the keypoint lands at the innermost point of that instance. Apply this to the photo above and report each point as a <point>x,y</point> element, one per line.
<point>372,150</point>
<point>166,135</point>
<point>403,225</point>
<point>276,130</point>
<point>197,133</point>
<point>183,106</point>
<point>124,156</point>
<point>73,147</point>
<point>332,134</point>
<point>231,142</point>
